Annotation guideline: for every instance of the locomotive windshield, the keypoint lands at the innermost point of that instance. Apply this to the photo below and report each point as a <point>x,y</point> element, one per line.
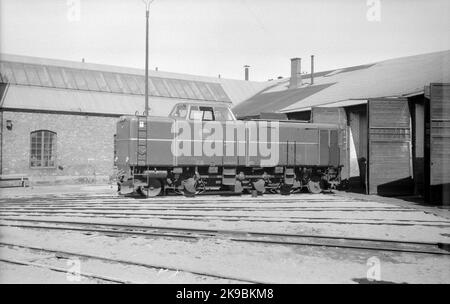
<point>222,114</point>
<point>200,112</point>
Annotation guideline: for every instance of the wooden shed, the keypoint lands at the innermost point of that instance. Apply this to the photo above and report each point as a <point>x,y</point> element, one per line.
<point>437,143</point>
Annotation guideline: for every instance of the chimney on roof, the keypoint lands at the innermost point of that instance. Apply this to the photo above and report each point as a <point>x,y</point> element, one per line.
<point>312,69</point>
<point>296,76</point>
<point>246,72</point>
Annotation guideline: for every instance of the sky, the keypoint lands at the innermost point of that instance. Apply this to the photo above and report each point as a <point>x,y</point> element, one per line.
<point>212,37</point>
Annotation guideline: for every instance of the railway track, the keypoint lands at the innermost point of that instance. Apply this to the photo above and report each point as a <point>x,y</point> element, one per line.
<point>181,204</point>
<point>190,206</point>
<point>385,245</point>
<point>155,267</point>
<point>100,206</point>
<point>82,215</point>
<point>197,199</point>
<point>226,217</point>
<point>172,207</point>
<point>64,270</point>
<point>214,203</point>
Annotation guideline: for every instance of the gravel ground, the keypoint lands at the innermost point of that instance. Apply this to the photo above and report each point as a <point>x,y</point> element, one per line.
<point>369,216</point>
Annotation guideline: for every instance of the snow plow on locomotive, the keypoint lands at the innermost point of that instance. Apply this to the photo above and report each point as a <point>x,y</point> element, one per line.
<point>202,147</point>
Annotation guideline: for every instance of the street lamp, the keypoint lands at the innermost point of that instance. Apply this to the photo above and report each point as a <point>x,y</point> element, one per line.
<point>147,5</point>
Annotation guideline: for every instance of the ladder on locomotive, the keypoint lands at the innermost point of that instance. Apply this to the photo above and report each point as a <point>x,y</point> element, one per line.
<point>142,141</point>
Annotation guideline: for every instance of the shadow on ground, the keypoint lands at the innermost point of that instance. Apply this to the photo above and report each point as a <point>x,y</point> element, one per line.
<point>366,281</point>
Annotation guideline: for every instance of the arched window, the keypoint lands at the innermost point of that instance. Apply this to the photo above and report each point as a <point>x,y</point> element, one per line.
<point>43,149</point>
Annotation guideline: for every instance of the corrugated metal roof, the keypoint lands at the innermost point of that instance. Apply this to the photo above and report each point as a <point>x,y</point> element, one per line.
<point>395,77</point>
<point>239,90</point>
<point>273,101</point>
<point>390,78</point>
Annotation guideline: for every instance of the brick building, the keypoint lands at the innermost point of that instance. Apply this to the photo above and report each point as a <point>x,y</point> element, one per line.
<point>58,118</point>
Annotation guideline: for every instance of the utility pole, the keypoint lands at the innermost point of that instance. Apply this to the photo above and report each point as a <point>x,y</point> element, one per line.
<point>147,5</point>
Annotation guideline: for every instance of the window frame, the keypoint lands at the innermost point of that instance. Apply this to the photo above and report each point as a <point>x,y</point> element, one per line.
<point>208,109</point>
<point>80,81</point>
<point>226,109</point>
<point>53,150</point>
<point>32,75</point>
<point>161,87</point>
<point>112,82</point>
<point>205,91</point>
<point>132,84</point>
<point>175,109</point>
<point>57,77</point>
<point>69,78</point>
<point>20,75</point>
<point>7,72</point>
<point>218,91</point>
<point>202,109</point>
<point>91,81</point>
<point>43,75</point>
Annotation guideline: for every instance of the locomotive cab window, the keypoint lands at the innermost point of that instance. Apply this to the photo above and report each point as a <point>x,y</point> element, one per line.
<point>43,149</point>
<point>180,111</point>
<point>223,114</point>
<point>201,113</point>
<point>208,113</point>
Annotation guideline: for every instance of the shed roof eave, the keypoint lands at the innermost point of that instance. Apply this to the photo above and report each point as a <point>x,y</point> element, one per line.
<point>351,102</point>
<point>330,104</point>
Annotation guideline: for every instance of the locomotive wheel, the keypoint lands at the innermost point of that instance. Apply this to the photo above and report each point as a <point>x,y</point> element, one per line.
<point>285,189</point>
<point>126,187</point>
<point>314,187</point>
<point>152,189</point>
<point>238,187</point>
<point>189,186</point>
<point>260,186</point>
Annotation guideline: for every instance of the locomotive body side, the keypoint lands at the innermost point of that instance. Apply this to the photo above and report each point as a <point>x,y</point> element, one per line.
<point>158,154</point>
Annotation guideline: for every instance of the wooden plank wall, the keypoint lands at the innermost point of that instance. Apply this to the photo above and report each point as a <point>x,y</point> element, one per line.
<point>389,147</point>
<point>437,144</point>
<point>440,134</point>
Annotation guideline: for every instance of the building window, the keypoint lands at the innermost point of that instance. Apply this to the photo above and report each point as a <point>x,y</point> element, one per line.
<point>43,149</point>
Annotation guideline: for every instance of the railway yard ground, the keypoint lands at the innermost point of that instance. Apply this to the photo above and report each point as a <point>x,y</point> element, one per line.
<point>90,234</point>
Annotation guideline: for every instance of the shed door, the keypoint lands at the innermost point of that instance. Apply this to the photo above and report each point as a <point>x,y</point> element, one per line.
<point>438,144</point>
<point>389,147</point>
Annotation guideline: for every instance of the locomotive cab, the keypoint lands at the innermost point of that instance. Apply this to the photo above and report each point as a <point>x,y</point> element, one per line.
<point>204,112</point>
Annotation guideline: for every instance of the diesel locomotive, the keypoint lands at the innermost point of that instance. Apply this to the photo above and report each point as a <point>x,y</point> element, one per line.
<point>203,147</point>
